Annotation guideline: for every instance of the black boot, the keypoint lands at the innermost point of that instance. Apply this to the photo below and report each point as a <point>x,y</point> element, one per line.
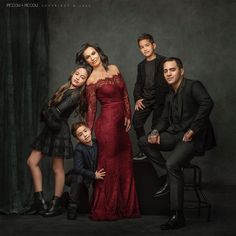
<point>72,211</point>
<point>55,209</point>
<point>39,205</point>
<point>176,221</point>
<point>65,199</point>
<point>163,190</point>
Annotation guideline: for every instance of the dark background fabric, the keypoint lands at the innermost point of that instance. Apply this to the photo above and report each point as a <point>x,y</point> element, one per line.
<point>202,33</point>
<point>24,45</point>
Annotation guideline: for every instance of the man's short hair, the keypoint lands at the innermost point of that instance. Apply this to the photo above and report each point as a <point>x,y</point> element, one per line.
<point>146,36</point>
<point>179,63</point>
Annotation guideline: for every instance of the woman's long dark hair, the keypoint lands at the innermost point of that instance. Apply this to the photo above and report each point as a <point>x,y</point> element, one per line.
<point>57,96</point>
<point>81,60</point>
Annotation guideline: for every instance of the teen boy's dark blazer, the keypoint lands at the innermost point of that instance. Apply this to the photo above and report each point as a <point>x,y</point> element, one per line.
<point>84,164</point>
<point>194,108</point>
<point>161,85</point>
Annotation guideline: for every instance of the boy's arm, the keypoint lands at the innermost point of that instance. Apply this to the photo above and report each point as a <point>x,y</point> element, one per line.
<point>80,167</point>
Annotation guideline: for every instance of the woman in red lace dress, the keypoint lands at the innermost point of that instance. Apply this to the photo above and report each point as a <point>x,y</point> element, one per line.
<point>114,197</point>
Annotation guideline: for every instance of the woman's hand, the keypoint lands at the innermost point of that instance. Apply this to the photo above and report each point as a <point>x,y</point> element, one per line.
<point>127,124</point>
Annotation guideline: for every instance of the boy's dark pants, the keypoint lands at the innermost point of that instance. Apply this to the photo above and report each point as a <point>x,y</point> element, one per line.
<point>182,153</point>
<point>141,116</point>
<point>78,189</point>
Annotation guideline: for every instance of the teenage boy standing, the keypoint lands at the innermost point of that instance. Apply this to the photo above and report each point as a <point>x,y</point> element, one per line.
<point>150,88</point>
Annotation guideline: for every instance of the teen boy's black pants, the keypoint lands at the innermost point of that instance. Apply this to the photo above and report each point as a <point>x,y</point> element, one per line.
<point>140,117</point>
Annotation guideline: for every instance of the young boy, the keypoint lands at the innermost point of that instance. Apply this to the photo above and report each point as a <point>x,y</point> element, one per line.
<point>150,88</point>
<point>84,171</point>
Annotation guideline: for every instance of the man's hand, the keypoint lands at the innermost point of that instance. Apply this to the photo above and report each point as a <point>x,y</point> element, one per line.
<point>127,124</point>
<point>100,174</point>
<point>154,138</point>
<point>139,105</point>
<point>188,136</point>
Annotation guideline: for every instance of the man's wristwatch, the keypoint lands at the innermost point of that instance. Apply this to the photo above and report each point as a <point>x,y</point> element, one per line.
<point>154,132</point>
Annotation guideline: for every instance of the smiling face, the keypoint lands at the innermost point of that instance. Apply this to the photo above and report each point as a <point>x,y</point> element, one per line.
<point>83,134</point>
<point>79,78</point>
<point>147,48</point>
<point>92,57</point>
<point>173,74</point>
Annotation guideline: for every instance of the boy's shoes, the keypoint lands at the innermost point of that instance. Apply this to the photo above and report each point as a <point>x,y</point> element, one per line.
<point>139,156</point>
<point>72,211</point>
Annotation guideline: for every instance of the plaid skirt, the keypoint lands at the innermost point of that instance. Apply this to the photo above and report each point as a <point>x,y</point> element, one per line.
<point>54,143</point>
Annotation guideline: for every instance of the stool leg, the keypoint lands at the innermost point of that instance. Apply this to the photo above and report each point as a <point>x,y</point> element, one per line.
<point>202,195</point>
<point>196,188</point>
<point>209,213</point>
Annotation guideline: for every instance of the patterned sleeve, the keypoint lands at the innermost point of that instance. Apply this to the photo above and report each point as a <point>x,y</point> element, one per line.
<point>126,102</point>
<point>92,105</point>
<point>68,101</point>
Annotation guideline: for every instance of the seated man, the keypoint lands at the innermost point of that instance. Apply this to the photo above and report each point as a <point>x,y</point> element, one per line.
<point>185,129</point>
<point>84,171</point>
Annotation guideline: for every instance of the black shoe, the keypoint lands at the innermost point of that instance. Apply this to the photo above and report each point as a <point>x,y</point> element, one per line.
<point>55,209</point>
<point>64,199</point>
<point>39,205</point>
<point>139,156</point>
<point>176,221</point>
<point>163,190</point>
<point>72,211</point>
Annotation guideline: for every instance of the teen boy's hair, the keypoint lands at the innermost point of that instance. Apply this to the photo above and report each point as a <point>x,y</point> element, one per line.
<point>76,125</point>
<point>146,36</point>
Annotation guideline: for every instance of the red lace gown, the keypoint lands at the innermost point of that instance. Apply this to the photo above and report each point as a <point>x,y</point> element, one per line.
<point>114,197</point>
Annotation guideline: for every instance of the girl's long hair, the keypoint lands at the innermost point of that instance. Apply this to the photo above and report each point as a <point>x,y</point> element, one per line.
<point>57,96</point>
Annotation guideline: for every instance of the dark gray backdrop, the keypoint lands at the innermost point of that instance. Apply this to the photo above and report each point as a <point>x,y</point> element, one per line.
<point>201,32</point>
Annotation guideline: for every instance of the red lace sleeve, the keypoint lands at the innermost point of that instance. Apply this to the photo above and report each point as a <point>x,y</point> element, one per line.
<point>126,102</point>
<point>92,105</point>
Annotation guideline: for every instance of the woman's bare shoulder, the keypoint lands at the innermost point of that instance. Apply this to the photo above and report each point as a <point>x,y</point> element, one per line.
<point>91,80</point>
<point>113,69</point>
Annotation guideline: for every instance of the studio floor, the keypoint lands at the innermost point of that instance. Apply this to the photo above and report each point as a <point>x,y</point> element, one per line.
<point>223,221</point>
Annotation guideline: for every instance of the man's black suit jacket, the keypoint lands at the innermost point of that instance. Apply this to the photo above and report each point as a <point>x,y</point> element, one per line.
<point>194,108</point>
<point>161,85</point>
